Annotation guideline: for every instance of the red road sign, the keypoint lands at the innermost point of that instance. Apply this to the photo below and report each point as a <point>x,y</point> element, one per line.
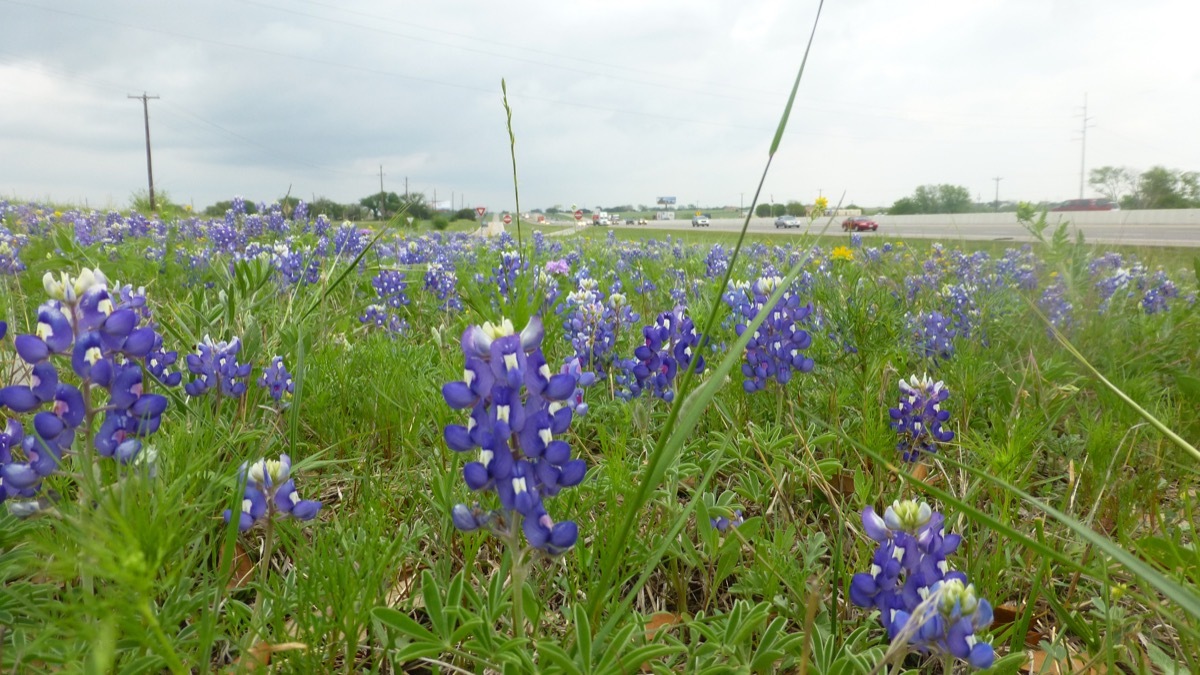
<point>507,219</point>
<point>481,210</point>
<point>579,215</point>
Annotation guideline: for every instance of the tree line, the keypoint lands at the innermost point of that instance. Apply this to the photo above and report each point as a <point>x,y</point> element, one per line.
<point>1155,188</point>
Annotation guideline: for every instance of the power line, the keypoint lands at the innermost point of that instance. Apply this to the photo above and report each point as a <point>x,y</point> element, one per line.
<point>149,167</point>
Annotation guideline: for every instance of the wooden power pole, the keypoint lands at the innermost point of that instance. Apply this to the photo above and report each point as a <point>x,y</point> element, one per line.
<point>149,166</point>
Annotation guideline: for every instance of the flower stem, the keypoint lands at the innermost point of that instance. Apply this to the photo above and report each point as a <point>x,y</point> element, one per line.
<point>517,580</point>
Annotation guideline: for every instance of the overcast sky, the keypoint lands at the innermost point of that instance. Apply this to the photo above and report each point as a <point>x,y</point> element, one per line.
<point>614,101</point>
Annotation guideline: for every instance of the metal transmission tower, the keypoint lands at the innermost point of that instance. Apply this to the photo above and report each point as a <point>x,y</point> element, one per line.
<point>1083,127</point>
<point>149,166</point>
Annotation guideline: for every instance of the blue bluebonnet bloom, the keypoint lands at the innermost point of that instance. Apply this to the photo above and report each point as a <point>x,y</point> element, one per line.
<point>441,279</point>
<point>776,349</point>
<point>671,346</point>
<point>933,334</point>
<point>277,380</point>
<point>1159,290</point>
<point>593,323</point>
<point>10,250</point>
<point>215,366</point>
<point>99,335</point>
<point>1055,305</point>
<point>517,408</point>
<point>583,379</point>
<point>918,597</point>
<point>919,417</point>
<point>716,262</point>
<point>723,523</point>
<point>269,490</point>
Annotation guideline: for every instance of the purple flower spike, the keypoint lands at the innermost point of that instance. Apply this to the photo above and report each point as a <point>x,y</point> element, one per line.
<point>515,415</point>
<point>910,581</point>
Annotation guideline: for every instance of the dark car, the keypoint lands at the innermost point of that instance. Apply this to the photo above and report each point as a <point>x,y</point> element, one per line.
<point>1088,205</point>
<point>859,224</point>
<point>700,220</point>
<point>788,221</point>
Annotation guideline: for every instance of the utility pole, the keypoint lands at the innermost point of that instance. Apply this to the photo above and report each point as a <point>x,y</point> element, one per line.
<point>149,166</point>
<point>382,194</point>
<point>406,189</point>
<point>996,204</point>
<point>1083,127</point>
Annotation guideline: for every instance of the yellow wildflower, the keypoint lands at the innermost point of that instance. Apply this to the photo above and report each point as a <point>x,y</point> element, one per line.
<point>842,253</point>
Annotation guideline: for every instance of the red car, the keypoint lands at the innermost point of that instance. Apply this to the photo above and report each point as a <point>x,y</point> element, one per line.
<point>1088,205</point>
<point>859,224</point>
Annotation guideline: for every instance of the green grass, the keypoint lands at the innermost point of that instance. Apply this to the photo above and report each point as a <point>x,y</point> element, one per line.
<point>139,576</point>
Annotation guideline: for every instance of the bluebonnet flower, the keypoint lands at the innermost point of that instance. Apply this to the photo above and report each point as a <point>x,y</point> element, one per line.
<point>963,308</point>
<point>671,345</point>
<point>517,407</point>
<point>933,334</point>
<point>583,379</point>
<point>919,417</point>
<point>918,597</point>
<point>776,349</point>
<point>504,277</point>
<point>277,380</point>
<point>104,344</point>
<point>1055,305</point>
<point>593,324</point>
<point>716,262</point>
<point>268,490</point>
<point>1156,296</point>
<point>391,296</point>
<point>216,366</point>
<point>723,523</point>
<point>443,282</point>
<point>10,250</point>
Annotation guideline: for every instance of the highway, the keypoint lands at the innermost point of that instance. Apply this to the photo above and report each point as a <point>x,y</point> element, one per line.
<point>1176,227</point>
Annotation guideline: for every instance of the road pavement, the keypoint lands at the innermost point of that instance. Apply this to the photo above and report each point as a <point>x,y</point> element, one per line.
<point>1134,228</point>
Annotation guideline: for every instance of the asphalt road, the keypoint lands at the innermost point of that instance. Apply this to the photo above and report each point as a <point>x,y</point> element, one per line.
<point>985,227</point>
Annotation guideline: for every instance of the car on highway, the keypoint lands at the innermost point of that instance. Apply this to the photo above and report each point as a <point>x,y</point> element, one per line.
<point>700,220</point>
<point>1088,205</point>
<point>788,221</point>
<point>859,224</point>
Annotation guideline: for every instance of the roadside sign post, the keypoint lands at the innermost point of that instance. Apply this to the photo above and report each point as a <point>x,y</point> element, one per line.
<point>578,216</point>
<point>507,219</point>
<point>481,210</point>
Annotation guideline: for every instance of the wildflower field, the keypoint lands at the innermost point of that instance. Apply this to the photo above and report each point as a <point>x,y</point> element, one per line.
<point>273,441</point>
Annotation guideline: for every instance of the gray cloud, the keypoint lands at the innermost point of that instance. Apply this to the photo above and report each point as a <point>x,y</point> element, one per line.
<point>614,102</point>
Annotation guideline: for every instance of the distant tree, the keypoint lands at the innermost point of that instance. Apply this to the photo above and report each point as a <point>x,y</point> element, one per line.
<point>795,208</point>
<point>942,198</point>
<point>465,214</point>
<point>778,210</point>
<point>1114,182</point>
<point>327,207</point>
<point>763,210</point>
<point>905,206</point>
<point>554,210</point>
<point>1163,188</point>
<point>954,199</point>
<point>218,210</point>
<point>382,204</point>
